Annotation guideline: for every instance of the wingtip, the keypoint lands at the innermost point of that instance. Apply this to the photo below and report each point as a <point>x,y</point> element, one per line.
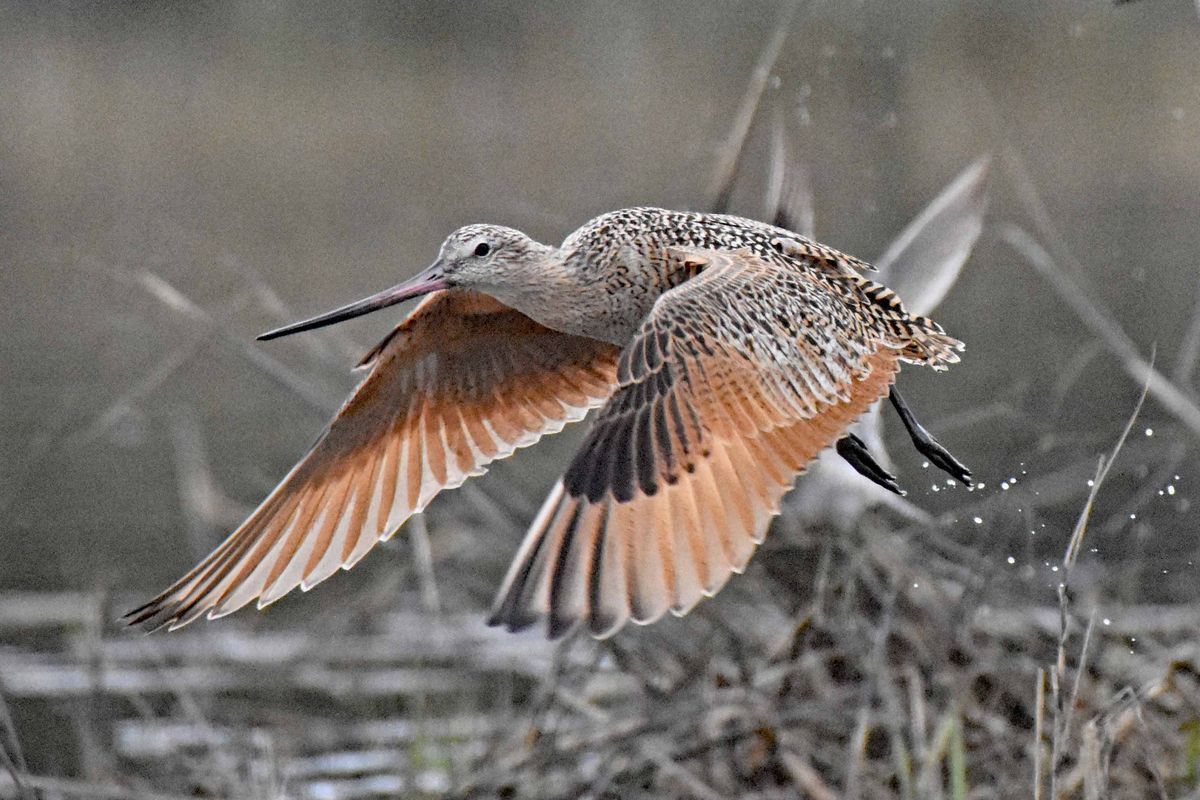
<point>141,614</point>
<point>558,627</point>
<point>145,617</point>
<point>132,613</point>
<point>517,623</point>
<point>603,626</point>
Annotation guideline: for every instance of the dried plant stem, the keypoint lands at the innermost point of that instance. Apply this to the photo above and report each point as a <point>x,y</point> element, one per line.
<point>1171,397</point>
<point>1102,468</point>
<point>418,534</point>
<point>730,155</point>
<point>173,298</point>
<point>1039,722</point>
<point>10,750</point>
<point>1061,710</point>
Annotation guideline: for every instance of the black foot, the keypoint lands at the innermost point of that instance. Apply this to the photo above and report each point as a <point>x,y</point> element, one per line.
<point>939,456</point>
<point>851,448</point>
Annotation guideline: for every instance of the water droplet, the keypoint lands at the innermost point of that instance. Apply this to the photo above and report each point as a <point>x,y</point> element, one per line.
<point>1149,431</point>
<point>1012,560</point>
<point>1171,489</point>
<point>978,521</point>
<point>1107,621</point>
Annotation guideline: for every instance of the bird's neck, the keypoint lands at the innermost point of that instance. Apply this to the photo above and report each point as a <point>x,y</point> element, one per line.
<point>558,294</point>
<point>540,288</point>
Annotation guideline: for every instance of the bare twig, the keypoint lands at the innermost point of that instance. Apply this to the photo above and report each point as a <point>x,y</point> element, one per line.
<point>174,299</point>
<point>807,778</point>
<point>1080,670</point>
<point>789,198</point>
<point>925,259</point>
<point>139,391</point>
<point>695,786</point>
<point>417,531</point>
<point>199,497</point>
<point>777,170</point>
<point>1104,326</point>
<point>11,755</point>
<point>730,154</point>
<point>1102,470</point>
<point>1062,713</point>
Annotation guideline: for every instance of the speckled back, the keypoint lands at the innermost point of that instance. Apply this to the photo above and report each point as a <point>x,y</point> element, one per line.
<point>622,253</point>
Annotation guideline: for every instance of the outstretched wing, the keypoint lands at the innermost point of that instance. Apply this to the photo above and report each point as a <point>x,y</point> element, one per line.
<point>463,381</point>
<point>735,381</point>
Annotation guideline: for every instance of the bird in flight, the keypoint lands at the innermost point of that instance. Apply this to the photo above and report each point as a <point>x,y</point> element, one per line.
<point>723,355</point>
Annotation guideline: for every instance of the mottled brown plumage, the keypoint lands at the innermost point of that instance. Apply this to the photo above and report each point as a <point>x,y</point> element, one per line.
<point>726,354</point>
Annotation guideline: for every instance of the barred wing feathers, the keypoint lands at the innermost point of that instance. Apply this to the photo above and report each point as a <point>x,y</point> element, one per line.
<point>462,381</point>
<point>735,381</point>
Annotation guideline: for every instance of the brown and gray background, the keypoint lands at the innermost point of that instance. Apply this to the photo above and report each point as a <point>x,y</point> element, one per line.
<point>178,177</point>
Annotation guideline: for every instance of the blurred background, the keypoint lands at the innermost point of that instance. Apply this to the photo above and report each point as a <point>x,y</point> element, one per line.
<point>177,178</point>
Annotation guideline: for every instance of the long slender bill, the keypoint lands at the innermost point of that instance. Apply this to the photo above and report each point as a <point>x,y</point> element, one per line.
<point>426,281</point>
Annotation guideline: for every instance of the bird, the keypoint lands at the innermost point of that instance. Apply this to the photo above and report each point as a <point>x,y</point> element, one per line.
<point>721,354</point>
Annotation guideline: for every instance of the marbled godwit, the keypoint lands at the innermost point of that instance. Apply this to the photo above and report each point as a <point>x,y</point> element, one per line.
<point>725,353</point>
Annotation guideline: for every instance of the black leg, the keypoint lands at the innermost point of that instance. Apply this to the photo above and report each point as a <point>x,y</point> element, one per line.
<point>928,446</point>
<point>851,448</point>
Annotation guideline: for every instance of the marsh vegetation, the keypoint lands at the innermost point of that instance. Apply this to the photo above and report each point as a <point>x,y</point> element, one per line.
<point>178,179</point>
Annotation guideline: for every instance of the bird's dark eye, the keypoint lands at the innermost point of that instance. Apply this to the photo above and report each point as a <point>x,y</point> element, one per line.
<point>482,249</point>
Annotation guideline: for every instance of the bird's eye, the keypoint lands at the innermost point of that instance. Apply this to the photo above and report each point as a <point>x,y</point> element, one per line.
<point>482,249</point>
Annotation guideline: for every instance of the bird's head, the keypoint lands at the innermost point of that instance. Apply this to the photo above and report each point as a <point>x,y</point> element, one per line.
<point>486,258</point>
